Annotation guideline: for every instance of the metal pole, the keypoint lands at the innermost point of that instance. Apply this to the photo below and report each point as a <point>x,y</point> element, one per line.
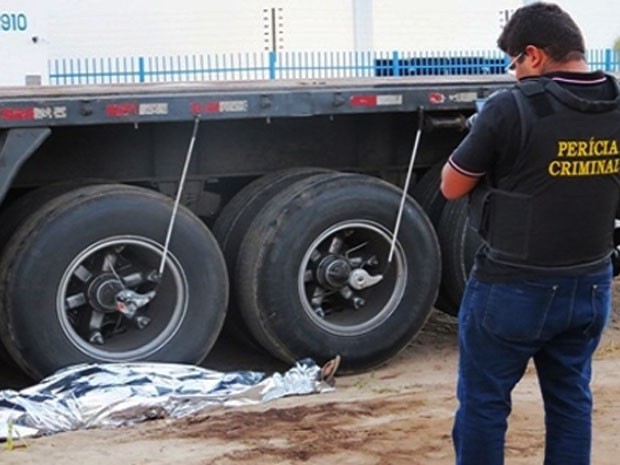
<point>177,201</point>
<point>407,182</point>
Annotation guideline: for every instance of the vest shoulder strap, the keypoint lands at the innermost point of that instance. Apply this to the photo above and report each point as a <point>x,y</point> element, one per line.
<point>535,93</point>
<point>532,104</point>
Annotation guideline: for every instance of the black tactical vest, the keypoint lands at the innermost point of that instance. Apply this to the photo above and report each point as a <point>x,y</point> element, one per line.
<point>557,207</point>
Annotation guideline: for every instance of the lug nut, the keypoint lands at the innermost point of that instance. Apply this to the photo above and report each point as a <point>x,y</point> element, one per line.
<point>142,321</point>
<point>96,338</point>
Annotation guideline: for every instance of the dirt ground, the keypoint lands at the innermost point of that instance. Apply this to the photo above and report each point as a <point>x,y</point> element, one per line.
<point>398,414</point>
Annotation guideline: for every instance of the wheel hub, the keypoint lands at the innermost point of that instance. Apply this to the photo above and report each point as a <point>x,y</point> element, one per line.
<point>343,289</point>
<point>102,292</point>
<point>333,272</point>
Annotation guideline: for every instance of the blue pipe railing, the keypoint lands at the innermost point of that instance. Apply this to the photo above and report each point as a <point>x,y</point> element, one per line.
<point>290,65</point>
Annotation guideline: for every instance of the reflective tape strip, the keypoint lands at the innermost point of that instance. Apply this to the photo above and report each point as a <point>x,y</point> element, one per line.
<point>50,113</point>
<point>225,106</point>
<point>121,109</point>
<point>234,106</point>
<point>17,114</point>
<point>390,100</point>
<point>375,100</point>
<point>33,113</point>
<point>150,109</point>
<point>363,101</point>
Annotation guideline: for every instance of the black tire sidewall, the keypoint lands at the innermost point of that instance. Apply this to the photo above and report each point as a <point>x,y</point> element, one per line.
<point>305,218</point>
<point>232,225</point>
<point>427,193</point>
<point>50,242</point>
<point>459,244</point>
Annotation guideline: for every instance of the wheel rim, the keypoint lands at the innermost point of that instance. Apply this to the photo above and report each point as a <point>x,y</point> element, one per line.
<point>335,280</point>
<point>86,305</point>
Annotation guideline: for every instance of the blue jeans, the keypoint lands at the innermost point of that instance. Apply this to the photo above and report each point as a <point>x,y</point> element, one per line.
<point>557,322</point>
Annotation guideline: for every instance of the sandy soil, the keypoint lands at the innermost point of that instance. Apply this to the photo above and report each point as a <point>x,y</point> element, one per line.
<point>399,414</point>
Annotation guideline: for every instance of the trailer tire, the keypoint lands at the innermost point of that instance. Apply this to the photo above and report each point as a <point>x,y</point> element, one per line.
<point>21,208</point>
<point>298,268</point>
<point>14,215</point>
<point>459,244</point>
<point>66,262</point>
<point>232,224</point>
<point>428,195</point>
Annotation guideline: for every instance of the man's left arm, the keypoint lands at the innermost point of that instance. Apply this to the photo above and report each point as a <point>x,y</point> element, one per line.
<point>454,183</point>
<point>470,161</point>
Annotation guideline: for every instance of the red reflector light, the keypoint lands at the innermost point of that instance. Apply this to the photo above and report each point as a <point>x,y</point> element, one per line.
<point>363,101</point>
<point>17,114</point>
<point>121,109</point>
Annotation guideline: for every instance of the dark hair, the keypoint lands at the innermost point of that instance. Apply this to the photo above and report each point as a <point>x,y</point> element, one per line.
<point>546,26</point>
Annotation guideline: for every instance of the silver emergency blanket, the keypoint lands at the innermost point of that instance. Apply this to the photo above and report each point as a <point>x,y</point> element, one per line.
<point>112,395</point>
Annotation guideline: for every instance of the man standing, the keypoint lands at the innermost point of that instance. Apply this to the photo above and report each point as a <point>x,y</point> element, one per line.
<point>542,165</point>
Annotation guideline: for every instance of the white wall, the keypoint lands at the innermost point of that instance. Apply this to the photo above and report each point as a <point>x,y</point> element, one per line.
<point>23,49</point>
<point>325,25</point>
<point>131,28</point>
<point>599,20</point>
<point>439,24</point>
<point>147,27</point>
<point>473,24</point>
<point>87,28</point>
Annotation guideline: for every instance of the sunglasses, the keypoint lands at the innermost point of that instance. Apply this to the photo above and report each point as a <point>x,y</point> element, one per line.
<point>513,63</point>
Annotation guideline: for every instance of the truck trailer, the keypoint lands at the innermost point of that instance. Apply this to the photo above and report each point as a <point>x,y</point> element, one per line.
<point>137,219</point>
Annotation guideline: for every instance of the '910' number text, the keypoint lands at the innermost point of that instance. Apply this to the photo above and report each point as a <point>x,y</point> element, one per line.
<point>13,22</point>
